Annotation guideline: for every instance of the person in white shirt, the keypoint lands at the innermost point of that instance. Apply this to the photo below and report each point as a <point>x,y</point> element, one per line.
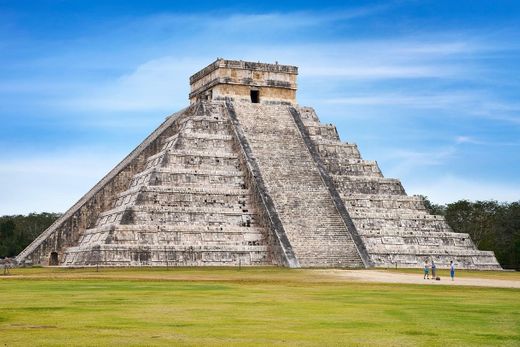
<point>426,270</point>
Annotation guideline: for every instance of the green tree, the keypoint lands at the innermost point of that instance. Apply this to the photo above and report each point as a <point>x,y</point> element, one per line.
<point>16,232</point>
<point>7,238</point>
<point>492,226</point>
<point>433,208</point>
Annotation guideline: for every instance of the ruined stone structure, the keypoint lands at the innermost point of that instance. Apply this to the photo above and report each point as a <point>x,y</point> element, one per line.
<point>245,176</point>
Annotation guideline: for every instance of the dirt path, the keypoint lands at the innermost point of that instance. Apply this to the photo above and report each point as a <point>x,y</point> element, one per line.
<point>393,277</point>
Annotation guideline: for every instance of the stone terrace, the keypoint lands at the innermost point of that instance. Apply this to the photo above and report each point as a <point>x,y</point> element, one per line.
<point>189,206</point>
<point>396,228</point>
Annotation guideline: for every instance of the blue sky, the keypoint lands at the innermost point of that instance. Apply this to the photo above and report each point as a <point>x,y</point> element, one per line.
<point>429,89</point>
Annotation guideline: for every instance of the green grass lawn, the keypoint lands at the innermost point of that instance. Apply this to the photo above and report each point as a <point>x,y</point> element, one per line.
<point>254,306</point>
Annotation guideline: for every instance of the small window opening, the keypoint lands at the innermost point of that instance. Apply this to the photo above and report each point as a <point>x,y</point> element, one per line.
<point>255,96</point>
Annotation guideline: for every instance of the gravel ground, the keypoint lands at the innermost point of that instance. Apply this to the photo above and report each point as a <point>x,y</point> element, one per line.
<point>393,277</point>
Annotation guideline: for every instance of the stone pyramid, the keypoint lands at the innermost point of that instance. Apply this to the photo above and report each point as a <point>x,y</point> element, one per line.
<point>245,176</point>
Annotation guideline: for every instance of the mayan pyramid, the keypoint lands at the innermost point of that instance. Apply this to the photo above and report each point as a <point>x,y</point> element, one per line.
<point>246,176</point>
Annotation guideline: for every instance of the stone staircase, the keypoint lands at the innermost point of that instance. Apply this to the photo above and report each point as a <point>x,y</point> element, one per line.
<point>395,228</point>
<point>188,206</point>
<point>315,230</point>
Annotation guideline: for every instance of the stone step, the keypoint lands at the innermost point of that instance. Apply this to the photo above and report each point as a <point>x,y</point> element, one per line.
<point>166,175</point>
<point>308,115</point>
<point>389,213</point>
<point>325,132</point>
<point>193,152</point>
<point>220,143</point>
<point>337,150</point>
<point>370,201</point>
<point>206,136</point>
<point>156,209</point>
<point>404,241</point>
<point>177,248</point>
<point>182,199</point>
<point>131,255</point>
<point>176,239</point>
<point>207,125</point>
<point>188,194</point>
<point>187,189</point>
<point>388,232</point>
<point>411,225</point>
<point>348,167</point>
<point>177,228</point>
<point>367,185</point>
<point>427,250</point>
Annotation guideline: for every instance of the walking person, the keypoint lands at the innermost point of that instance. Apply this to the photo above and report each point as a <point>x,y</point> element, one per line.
<point>434,270</point>
<point>452,270</point>
<point>426,270</point>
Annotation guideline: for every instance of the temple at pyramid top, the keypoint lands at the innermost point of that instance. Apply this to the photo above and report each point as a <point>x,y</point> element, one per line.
<point>245,81</point>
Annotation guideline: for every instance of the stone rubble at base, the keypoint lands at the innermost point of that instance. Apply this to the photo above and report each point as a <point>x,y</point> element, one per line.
<point>230,182</point>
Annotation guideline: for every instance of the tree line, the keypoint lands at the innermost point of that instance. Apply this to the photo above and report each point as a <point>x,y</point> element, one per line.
<point>17,232</point>
<point>493,226</point>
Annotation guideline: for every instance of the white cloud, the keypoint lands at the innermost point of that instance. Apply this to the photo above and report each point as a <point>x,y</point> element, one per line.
<point>162,83</point>
<point>467,139</point>
<point>157,85</point>
<point>406,161</point>
<point>435,100</point>
<point>370,71</point>
<point>463,102</point>
<point>261,22</point>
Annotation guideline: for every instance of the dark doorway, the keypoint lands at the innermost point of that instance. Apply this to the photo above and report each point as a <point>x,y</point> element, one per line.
<point>53,259</point>
<point>255,96</point>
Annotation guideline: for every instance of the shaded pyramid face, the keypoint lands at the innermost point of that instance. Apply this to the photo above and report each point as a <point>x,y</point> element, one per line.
<point>188,206</point>
<point>244,176</point>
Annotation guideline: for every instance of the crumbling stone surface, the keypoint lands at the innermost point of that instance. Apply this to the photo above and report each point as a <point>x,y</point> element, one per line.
<point>67,230</point>
<point>235,79</point>
<point>244,176</point>
<point>189,206</point>
<point>314,227</point>
<point>396,228</point>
